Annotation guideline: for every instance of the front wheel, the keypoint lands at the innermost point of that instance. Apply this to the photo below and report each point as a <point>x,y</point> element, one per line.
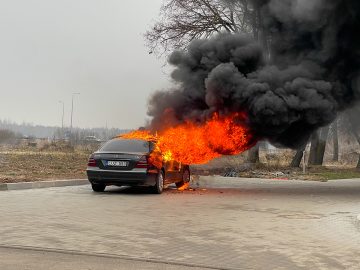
<point>98,187</point>
<point>185,178</point>
<point>159,186</point>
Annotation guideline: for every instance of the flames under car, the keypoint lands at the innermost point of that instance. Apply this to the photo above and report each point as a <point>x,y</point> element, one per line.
<point>130,162</point>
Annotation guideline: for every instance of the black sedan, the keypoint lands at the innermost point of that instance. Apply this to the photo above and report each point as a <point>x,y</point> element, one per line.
<point>127,162</point>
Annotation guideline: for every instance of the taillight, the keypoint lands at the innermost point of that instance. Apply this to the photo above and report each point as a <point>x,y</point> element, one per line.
<point>142,163</point>
<point>91,162</point>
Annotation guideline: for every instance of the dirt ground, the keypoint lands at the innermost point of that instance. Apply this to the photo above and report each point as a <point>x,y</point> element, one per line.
<point>285,173</point>
<point>25,164</point>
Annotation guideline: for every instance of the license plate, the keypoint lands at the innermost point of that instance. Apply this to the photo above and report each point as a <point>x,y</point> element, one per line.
<point>111,163</point>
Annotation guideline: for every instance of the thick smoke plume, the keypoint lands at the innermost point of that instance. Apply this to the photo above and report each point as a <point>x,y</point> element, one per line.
<point>314,72</point>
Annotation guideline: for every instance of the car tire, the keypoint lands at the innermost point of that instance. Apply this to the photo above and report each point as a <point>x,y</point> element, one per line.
<point>159,186</point>
<point>98,187</point>
<point>185,178</point>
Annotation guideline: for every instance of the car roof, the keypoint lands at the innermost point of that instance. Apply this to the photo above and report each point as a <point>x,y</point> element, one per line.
<point>133,139</point>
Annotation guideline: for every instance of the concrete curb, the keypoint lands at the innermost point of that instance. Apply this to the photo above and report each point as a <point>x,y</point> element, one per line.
<point>43,184</point>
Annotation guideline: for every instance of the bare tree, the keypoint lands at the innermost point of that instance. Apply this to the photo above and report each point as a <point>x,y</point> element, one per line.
<point>185,20</point>
<point>317,150</point>
<point>298,157</point>
<point>353,118</point>
<point>318,144</point>
<point>253,11</point>
<point>335,137</point>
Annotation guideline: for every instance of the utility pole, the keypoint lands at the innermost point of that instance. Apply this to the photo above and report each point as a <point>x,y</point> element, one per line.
<point>63,112</point>
<point>72,111</point>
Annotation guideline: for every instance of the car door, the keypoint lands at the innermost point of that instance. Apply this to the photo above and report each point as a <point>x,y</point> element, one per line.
<point>173,171</point>
<point>177,171</point>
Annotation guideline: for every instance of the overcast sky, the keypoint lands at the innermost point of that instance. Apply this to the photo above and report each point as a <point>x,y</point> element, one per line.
<point>52,48</point>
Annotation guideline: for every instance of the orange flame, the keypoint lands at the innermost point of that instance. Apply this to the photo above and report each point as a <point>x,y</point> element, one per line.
<point>192,143</point>
<point>185,186</point>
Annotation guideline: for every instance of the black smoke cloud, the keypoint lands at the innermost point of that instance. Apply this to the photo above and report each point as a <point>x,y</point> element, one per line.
<point>314,72</point>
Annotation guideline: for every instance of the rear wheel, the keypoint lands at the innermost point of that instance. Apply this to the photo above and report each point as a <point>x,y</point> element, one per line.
<point>159,186</point>
<point>98,187</point>
<point>185,178</point>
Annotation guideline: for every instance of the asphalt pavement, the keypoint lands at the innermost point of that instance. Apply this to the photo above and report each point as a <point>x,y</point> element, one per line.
<point>224,223</point>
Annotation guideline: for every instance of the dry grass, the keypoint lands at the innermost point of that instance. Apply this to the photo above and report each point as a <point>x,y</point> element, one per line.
<point>61,161</point>
<point>24,164</point>
<point>275,165</point>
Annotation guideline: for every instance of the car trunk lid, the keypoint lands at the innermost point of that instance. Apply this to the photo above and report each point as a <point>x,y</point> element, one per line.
<point>118,161</point>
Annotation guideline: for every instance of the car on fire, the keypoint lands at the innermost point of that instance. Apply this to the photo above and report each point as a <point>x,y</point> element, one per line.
<point>130,162</point>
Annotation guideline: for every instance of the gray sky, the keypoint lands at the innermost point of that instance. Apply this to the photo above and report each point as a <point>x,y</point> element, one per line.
<point>49,49</point>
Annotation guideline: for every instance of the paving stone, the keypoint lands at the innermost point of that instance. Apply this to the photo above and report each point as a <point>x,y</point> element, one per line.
<point>226,223</point>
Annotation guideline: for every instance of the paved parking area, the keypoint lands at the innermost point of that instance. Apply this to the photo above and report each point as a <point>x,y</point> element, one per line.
<point>226,223</point>
<point>28,259</point>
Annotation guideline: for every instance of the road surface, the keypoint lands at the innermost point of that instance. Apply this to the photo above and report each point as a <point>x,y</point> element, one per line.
<point>226,223</point>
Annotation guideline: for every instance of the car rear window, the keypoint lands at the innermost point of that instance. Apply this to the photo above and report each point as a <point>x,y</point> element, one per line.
<point>123,145</point>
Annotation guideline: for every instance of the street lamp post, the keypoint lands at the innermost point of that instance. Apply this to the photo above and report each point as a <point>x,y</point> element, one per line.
<point>72,111</point>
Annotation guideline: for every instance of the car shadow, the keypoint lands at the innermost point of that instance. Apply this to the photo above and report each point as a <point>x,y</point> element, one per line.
<point>112,190</point>
<point>286,189</point>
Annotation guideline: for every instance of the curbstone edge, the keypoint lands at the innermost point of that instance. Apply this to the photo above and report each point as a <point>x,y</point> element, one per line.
<point>3,187</point>
<point>43,184</point>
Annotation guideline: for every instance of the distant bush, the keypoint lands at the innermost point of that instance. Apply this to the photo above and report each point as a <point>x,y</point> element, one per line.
<point>7,136</point>
<point>60,146</point>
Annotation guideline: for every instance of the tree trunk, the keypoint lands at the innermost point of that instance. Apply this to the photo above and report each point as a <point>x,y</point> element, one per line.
<point>261,36</point>
<point>253,155</point>
<point>356,135</point>
<point>324,133</point>
<point>318,144</point>
<point>295,163</point>
<point>313,148</point>
<point>335,140</point>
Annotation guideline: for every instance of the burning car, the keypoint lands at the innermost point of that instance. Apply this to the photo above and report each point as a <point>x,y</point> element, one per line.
<point>134,162</point>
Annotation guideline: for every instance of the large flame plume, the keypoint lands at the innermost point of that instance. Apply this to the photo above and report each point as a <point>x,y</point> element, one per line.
<point>193,143</point>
